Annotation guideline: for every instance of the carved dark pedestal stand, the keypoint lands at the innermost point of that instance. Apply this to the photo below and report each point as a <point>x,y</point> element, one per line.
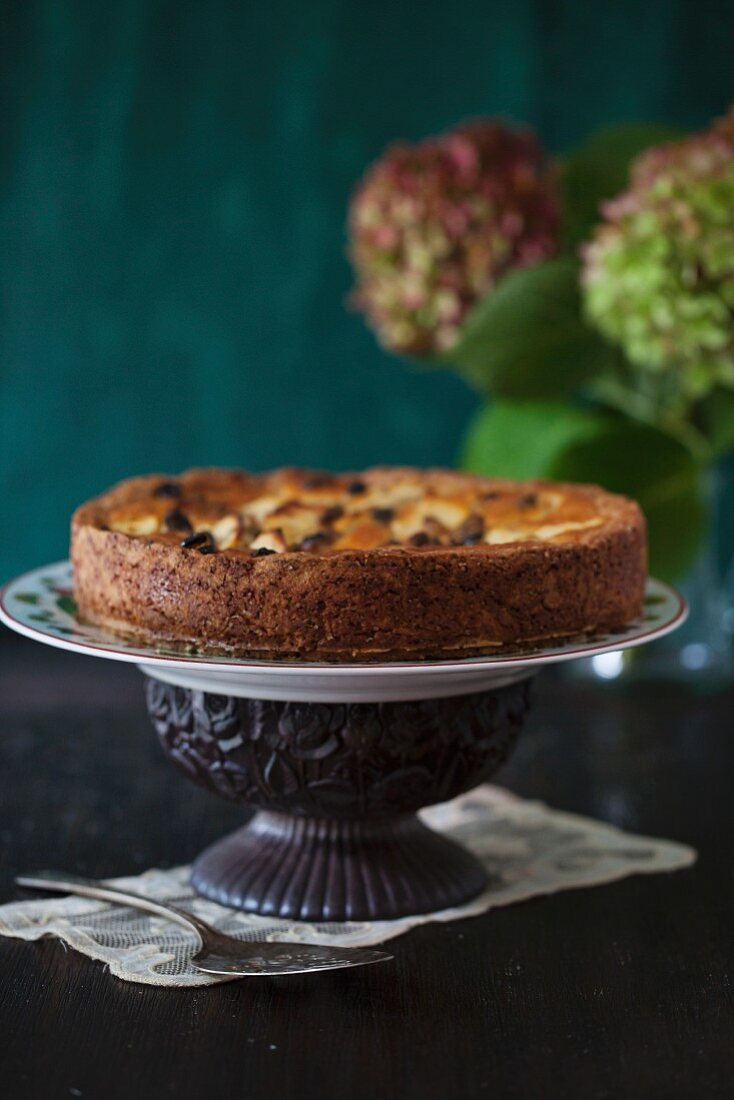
<point>337,785</point>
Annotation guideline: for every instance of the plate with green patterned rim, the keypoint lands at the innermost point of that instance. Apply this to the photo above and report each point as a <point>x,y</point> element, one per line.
<point>40,605</point>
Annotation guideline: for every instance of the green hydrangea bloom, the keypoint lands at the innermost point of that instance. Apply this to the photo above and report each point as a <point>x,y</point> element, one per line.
<point>659,271</point>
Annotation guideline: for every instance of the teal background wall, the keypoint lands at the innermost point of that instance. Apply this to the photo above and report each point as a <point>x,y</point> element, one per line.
<point>173,184</point>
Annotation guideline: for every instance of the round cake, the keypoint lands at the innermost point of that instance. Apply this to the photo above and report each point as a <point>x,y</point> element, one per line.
<point>389,564</point>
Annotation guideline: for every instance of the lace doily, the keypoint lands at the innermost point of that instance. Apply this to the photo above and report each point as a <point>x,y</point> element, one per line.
<point>527,848</point>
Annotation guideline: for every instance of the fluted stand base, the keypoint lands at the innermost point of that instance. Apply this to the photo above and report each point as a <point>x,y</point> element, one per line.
<point>334,870</point>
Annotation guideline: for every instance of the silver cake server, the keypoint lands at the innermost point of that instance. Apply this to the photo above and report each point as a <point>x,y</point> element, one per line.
<point>219,954</point>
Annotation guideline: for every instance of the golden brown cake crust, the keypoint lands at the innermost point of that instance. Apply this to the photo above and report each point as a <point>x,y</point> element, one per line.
<point>390,564</point>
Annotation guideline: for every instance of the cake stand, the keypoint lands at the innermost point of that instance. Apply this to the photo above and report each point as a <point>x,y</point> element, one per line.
<point>335,760</point>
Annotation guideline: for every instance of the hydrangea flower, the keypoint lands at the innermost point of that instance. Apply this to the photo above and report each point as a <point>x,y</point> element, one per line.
<point>435,225</point>
<point>659,271</point>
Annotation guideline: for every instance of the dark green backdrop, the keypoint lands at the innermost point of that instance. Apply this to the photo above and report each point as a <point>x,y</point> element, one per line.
<point>174,180</point>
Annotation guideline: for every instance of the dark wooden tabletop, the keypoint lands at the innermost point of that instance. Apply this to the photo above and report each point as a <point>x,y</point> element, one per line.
<point>618,991</point>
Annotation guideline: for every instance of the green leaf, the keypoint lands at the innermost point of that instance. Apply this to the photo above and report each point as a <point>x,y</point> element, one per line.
<point>27,597</point>
<point>528,339</point>
<point>599,170</point>
<point>656,470</point>
<point>522,439</point>
<point>628,395</point>
<point>67,604</point>
<point>716,414</point>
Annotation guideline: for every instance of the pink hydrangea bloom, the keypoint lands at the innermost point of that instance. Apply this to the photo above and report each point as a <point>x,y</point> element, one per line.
<point>435,225</point>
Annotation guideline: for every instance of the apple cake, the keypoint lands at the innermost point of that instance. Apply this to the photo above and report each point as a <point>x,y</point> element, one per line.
<point>389,564</point>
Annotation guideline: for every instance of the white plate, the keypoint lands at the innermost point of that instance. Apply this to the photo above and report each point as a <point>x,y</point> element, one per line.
<point>40,605</point>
